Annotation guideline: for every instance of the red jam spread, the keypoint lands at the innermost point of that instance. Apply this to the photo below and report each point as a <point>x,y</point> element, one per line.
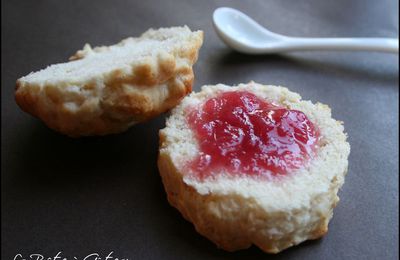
<point>240,133</point>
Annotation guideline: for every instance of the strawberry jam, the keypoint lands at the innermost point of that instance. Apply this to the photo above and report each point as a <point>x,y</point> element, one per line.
<point>240,133</point>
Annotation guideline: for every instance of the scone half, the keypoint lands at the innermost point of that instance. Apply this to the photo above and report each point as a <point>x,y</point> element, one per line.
<point>271,211</point>
<point>107,89</point>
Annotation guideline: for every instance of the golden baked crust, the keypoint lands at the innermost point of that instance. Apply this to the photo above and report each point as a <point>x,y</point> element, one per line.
<point>113,101</point>
<point>240,232</point>
<point>236,212</point>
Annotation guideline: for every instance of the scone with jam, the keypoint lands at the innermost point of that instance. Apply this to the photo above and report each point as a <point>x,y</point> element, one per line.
<point>253,164</point>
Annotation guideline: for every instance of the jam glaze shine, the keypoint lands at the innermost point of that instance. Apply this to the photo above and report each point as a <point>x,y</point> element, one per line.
<point>242,134</point>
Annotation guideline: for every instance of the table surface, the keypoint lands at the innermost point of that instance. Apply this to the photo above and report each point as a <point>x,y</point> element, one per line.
<point>103,194</point>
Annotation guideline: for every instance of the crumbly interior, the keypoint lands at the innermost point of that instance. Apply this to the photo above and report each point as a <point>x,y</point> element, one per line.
<point>89,63</point>
<point>235,212</point>
<point>107,89</point>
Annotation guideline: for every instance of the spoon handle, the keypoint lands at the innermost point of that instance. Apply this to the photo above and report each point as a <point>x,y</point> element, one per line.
<point>345,44</point>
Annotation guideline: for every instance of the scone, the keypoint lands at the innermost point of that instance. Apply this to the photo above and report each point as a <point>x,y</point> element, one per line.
<point>108,89</point>
<point>253,164</point>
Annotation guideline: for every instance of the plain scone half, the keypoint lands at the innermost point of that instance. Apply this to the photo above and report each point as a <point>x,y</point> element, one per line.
<point>271,211</point>
<point>107,89</point>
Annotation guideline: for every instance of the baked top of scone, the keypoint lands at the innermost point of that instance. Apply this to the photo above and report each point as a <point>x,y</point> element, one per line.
<point>273,208</point>
<point>107,89</point>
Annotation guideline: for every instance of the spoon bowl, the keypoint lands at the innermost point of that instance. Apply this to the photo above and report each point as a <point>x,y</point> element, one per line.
<point>243,34</point>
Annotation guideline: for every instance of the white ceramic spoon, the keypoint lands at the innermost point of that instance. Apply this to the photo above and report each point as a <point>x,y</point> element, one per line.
<point>245,35</point>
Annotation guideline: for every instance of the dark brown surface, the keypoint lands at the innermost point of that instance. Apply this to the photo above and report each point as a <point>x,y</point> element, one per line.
<point>104,194</point>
